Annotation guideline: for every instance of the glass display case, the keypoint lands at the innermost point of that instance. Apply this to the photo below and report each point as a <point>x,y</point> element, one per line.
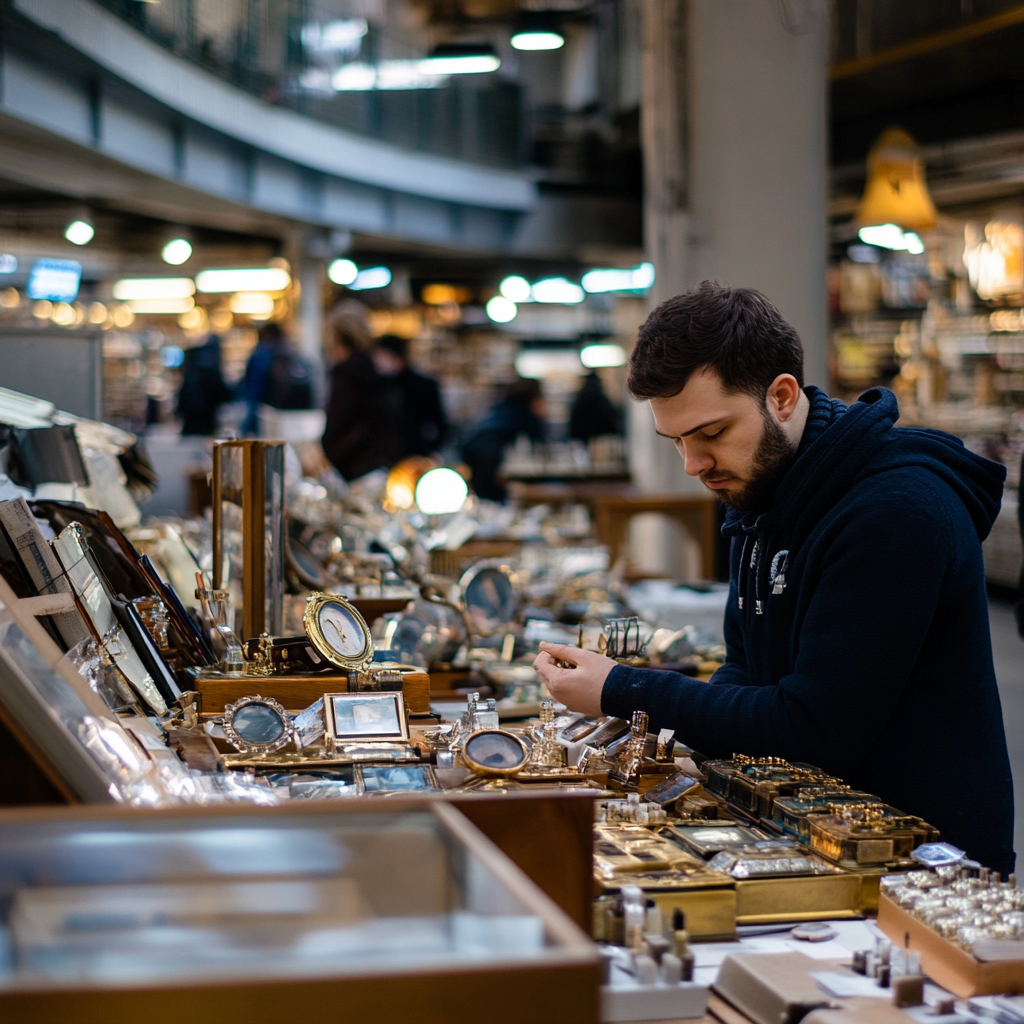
<point>393,912</point>
<point>85,750</point>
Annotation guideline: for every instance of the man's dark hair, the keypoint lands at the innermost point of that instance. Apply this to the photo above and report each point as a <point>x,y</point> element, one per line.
<point>395,345</point>
<point>737,332</point>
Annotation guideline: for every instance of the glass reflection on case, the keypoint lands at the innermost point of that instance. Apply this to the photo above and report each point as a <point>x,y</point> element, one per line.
<point>361,717</point>
<point>711,839</point>
<point>75,738</point>
<point>411,778</point>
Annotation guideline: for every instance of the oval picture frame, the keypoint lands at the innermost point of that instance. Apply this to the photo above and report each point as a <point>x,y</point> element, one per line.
<point>246,746</point>
<point>315,605</point>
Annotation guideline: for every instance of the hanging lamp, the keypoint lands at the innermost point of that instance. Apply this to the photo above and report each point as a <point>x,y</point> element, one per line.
<point>896,191</point>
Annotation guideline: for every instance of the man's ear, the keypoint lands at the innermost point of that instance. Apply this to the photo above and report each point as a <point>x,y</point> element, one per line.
<point>783,395</point>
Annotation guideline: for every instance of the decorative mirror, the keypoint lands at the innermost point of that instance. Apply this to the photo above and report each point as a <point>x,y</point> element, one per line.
<point>489,596</point>
<point>257,725</point>
<point>495,752</point>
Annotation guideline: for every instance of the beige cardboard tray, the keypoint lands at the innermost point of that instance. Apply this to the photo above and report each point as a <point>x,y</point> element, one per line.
<point>945,963</point>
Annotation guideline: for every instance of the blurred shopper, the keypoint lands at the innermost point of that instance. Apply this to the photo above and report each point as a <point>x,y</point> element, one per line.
<point>593,414</point>
<point>275,375</point>
<point>423,420</point>
<point>520,411</point>
<point>203,390</point>
<point>364,421</point>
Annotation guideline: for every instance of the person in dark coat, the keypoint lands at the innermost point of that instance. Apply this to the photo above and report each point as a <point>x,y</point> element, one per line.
<point>593,414</point>
<point>520,411</point>
<point>203,390</point>
<point>424,424</point>
<point>275,375</point>
<point>857,624</point>
<point>363,431</point>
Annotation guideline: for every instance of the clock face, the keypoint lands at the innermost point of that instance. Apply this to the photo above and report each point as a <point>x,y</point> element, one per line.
<point>342,630</point>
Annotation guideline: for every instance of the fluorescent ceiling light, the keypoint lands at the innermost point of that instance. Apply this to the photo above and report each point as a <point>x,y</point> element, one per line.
<point>892,236</point>
<point>371,277</point>
<point>167,304</point>
<point>344,36</point>
<point>387,75</point>
<point>441,492</point>
<point>556,289</point>
<point>532,362</point>
<point>255,279</point>
<point>461,59</point>
<point>515,288</point>
<point>637,279</point>
<point>501,310</point>
<point>537,39</point>
<point>342,272</point>
<point>79,232</point>
<point>596,355</point>
<point>256,304</point>
<point>153,288</point>
<point>176,251</point>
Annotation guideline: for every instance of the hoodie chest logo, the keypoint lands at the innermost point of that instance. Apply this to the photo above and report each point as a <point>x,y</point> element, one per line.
<point>777,574</point>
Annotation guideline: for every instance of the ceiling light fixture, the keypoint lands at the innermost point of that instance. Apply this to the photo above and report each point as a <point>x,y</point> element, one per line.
<point>637,279</point>
<point>556,289</point>
<point>501,310</point>
<point>602,354</point>
<point>461,59</point>
<point>129,288</point>
<point>176,251</point>
<point>252,279</point>
<point>371,277</point>
<point>342,271</point>
<point>515,288</point>
<point>537,31</point>
<point>79,232</point>
<point>896,191</point>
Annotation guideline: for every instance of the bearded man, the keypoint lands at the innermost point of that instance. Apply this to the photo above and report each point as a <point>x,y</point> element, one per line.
<point>857,629</point>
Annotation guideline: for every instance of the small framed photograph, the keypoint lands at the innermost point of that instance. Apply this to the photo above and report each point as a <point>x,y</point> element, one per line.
<point>407,778</point>
<point>363,717</point>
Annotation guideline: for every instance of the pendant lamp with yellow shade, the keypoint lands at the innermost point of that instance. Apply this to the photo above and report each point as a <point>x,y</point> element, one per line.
<point>896,192</point>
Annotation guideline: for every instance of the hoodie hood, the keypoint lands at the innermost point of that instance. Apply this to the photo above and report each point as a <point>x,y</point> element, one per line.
<point>862,440</point>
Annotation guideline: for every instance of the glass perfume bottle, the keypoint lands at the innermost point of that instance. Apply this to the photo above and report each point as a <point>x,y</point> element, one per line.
<point>215,606</point>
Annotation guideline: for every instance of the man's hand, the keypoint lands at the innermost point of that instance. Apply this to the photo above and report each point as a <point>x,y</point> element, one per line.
<point>578,688</point>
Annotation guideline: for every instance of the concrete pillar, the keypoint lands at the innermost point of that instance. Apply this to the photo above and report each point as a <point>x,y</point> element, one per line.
<point>734,135</point>
<point>310,321</point>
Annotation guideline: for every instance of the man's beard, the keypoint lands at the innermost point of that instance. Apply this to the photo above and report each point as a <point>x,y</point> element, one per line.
<point>772,459</point>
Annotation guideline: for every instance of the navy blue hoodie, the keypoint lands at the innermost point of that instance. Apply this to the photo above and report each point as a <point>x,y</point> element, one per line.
<point>857,627</point>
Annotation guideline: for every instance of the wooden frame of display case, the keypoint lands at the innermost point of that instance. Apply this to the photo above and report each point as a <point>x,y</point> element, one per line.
<point>563,987</point>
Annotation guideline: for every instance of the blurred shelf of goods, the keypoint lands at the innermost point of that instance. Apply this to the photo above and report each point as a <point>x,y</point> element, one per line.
<point>927,300</point>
